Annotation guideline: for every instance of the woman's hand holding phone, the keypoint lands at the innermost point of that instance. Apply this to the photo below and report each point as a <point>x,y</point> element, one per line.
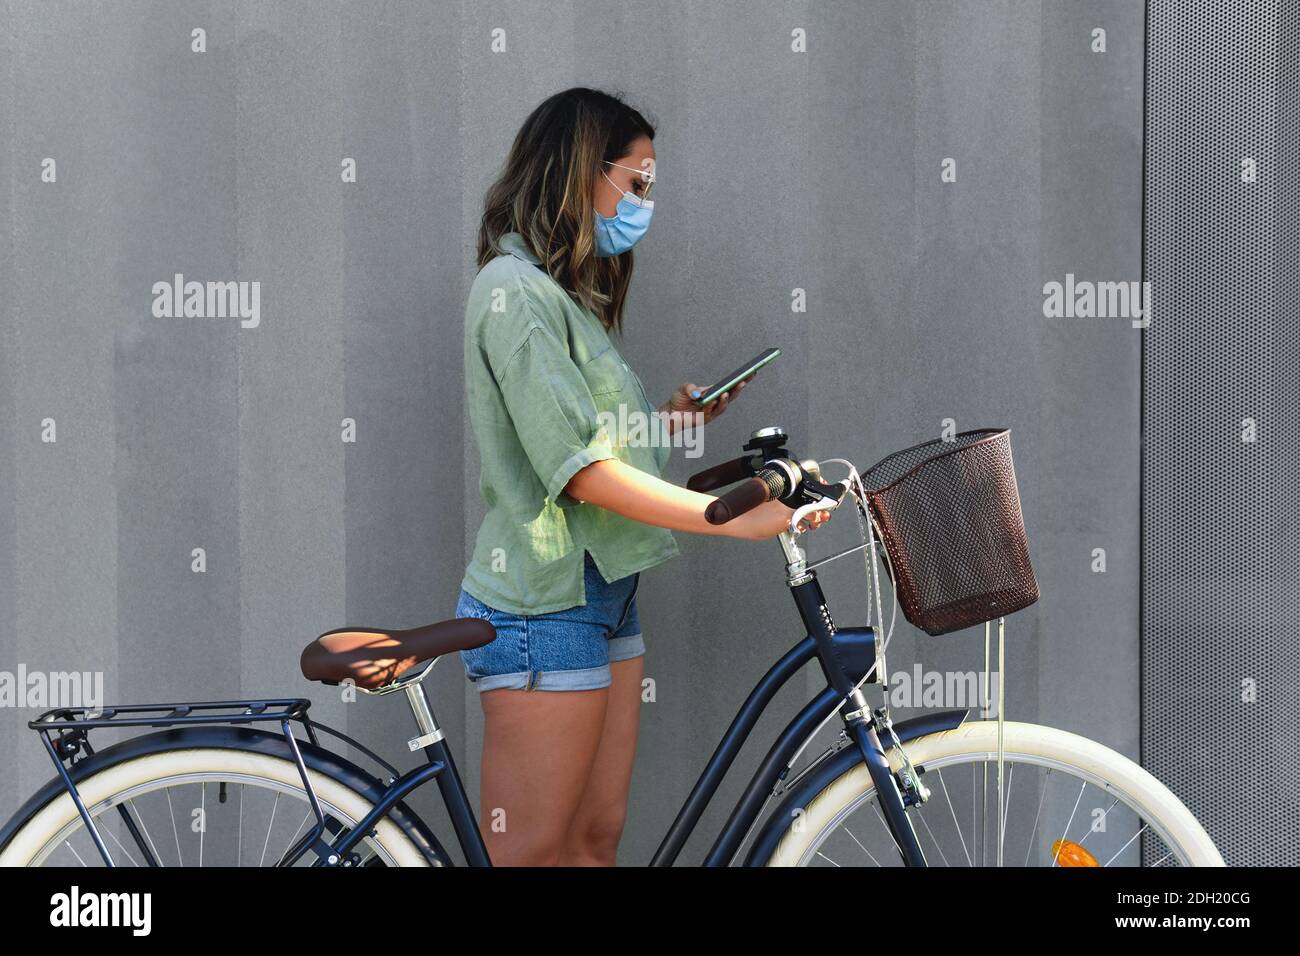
<point>712,400</point>
<point>684,401</point>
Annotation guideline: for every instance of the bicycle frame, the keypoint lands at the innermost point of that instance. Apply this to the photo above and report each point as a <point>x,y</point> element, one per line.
<point>845,655</point>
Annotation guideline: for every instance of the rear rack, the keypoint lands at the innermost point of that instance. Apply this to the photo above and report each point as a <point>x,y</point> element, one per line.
<point>168,715</point>
<point>65,734</point>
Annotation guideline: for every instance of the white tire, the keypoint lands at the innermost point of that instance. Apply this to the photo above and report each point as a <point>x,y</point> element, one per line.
<point>59,819</point>
<point>1029,743</point>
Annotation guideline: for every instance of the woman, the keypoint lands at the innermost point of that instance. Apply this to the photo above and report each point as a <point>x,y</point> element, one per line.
<point>574,512</point>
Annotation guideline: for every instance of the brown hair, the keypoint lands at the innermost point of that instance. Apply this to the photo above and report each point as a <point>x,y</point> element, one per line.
<point>544,194</point>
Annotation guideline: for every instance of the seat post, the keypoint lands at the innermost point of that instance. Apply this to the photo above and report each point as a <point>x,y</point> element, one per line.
<point>450,786</point>
<point>424,720</point>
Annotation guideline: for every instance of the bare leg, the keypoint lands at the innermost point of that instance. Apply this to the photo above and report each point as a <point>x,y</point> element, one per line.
<point>538,751</point>
<point>597,826</point>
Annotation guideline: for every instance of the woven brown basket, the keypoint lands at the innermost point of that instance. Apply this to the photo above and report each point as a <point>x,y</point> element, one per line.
<point>949,515</point>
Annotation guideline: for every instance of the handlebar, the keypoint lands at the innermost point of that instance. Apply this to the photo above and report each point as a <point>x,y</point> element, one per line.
<point>768,472</point>
<point>727,473</point>
<point>763,487</point>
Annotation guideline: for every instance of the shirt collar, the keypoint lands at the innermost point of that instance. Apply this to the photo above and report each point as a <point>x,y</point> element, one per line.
<point>513,243</point>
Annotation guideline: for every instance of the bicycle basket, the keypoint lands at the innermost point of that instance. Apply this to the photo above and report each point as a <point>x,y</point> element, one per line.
<point>949,516</point>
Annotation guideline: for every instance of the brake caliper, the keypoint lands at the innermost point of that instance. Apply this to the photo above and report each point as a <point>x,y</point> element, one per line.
<point>914,791</point>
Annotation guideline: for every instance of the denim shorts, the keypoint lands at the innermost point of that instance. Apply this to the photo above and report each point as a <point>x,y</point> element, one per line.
<point>563,650</point>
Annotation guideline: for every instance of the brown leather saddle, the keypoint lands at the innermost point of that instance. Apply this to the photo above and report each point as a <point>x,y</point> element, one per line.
<point>371,657</point>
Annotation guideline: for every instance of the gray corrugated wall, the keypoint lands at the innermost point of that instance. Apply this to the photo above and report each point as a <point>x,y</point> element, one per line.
<point>779,170</point>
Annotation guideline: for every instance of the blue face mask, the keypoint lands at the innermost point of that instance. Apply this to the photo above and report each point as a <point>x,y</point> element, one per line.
<point>629,223</point>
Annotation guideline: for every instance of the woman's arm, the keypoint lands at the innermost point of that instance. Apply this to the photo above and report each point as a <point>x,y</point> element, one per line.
<point>632,493</point>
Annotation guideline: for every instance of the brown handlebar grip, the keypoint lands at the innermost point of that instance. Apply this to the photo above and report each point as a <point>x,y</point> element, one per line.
<point>747,496</point>
<point>727,473</point>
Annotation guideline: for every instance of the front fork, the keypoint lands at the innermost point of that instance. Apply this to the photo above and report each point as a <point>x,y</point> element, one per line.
<point>861,725</point>
<point>892,805</point>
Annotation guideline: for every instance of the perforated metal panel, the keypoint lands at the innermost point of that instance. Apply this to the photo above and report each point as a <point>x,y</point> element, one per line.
<point>1221,492</point>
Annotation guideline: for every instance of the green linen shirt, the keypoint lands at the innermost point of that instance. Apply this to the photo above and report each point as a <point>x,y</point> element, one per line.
<point>546,391</point>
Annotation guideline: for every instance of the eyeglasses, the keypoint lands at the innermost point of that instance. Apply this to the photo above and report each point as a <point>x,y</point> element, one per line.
<point>647,176</point>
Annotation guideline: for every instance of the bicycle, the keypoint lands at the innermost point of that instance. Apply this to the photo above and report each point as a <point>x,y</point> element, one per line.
<point>868,799</point>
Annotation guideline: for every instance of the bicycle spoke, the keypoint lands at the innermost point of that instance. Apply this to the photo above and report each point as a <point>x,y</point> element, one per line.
<point>886,826</point>
<point>1061,844</point>
<point>139,817</point>
<point>1006,808</point>
<point>956,826</point>
<point>1102,820</point>
<point>180,860</point>
<point>1125,846</point>
<point>1043,796</point>
<point>262,862</point>
<point>366,856</point>
<point>942,856</point>
<point>860,844</point>
<point>109,831</point>
<point>293,839</point>
<point>984,806</point>
<point>203,818</point>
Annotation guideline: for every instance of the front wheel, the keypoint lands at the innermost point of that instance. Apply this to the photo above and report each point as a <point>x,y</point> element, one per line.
<point>1067,801</point>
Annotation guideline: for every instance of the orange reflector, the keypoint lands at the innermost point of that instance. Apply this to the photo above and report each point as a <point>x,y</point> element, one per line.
<point>1069,853</point>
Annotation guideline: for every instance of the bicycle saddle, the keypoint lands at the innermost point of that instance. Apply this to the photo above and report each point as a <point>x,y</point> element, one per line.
<point>372,658</point>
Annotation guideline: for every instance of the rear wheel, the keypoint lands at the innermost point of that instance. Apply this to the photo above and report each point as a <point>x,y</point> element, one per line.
<point>204,806</point>
<point>1067,801</point>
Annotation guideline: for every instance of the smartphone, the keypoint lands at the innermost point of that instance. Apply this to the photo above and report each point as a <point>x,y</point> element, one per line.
<point>713,392</point>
